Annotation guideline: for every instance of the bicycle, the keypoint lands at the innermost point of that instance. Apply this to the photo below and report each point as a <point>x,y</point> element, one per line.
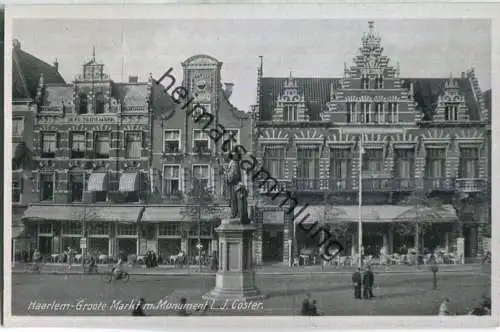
<point>108,277</point>
<point>32,267</point>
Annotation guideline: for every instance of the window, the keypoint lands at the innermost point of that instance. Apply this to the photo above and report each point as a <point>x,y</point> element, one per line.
<point>78,145</point>
<point>228,144</point>
<point>365,113</point>
<point>379,82</point>
<point>274,161</point>
<point>172,141</point>
<point>101,196</point>
<point>340,167</point>
<point>169,229</point>
<point>98,228</point>
<point>202,173</point>
<point>378,117</point>
<point>351,112</point>
<point>99,103</point>
<point>469,163</point>
<point>17,187</point>
<point>290,113</point>
<point>308,168</point>
<point>200,141</point>
<point>133,143</point>
<point>392,113</point>
<point>45,227</point>
<point>17,127</point>
<point>405,163</point>
<point>102,145</point>
<point>72,228</point>
<point>365,81</point>
<point>49,145</point>
<point>126,229</point>
<point>435,163</point>
<point>451,112</point>
<point>77,183</point>
<point>83,103</point>
<point>46,187</point>
<point>373,161</point>
<point>171,180</point>
<point>202,229</point>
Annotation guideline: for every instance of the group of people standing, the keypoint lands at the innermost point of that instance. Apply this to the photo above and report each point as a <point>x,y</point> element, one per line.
<point>363,283</point>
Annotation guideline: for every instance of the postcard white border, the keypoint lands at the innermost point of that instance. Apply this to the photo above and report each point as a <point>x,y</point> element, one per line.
<point>366,10</point>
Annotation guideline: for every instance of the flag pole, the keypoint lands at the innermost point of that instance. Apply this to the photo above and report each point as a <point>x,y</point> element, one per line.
<point>360,203</point>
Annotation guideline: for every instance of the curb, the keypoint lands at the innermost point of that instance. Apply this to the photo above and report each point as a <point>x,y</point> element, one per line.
<point>257,273</point>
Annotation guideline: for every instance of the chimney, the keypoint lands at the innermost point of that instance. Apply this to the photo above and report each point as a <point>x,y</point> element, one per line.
<point>56,65</point>
<point>228,89</point>
<point>133,79</point>
<point>16,43</point>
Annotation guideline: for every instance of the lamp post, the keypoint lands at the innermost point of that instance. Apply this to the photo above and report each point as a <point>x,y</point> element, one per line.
<point>360,203</point>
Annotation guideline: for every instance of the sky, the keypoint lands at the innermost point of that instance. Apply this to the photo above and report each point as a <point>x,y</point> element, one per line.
<point>307,48</point>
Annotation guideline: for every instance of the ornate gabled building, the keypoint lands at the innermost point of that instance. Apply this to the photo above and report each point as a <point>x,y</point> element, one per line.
<point>92,147</point>
<point>415,136</point>
<point>26,70</point>
<point>182,149</point>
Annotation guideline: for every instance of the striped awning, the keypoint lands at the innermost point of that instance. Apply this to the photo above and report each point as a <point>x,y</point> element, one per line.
<point>129,182</point>
<point>373,214</point>
<point>122,214</point>
<point>98,182</point>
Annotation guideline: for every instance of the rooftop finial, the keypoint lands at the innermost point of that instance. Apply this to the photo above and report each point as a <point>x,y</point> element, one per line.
<point>93,53</point>
<point>291,74</point>
<point>371,26</point>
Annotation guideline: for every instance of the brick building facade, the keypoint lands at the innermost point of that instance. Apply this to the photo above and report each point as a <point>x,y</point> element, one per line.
<point>417,135</point>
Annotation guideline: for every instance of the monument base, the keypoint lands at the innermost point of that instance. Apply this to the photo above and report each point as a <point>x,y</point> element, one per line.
<point>235,279</point>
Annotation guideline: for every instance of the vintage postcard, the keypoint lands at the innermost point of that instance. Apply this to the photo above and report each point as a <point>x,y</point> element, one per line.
<point>308,169</point>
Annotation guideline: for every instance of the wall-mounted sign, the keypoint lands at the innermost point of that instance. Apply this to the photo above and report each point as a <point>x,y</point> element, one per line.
<point>91,119</point>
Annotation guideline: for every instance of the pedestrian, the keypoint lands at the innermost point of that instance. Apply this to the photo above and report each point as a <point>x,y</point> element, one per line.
<point>356,281</point>
<point>368,280</point>
<point>139,309</point>
<point>444,308</point>
<point>306,306</point>
<point>314,309</point>
<point>155,260</point>
<point>434,270</point>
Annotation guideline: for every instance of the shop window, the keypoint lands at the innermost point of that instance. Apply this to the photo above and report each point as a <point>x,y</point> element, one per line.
<point>45,227</point>
<point>72,228</point>
<point>169,229</point>
<point>203,228</point>
<point>126,229</point>
<point>98,228</point>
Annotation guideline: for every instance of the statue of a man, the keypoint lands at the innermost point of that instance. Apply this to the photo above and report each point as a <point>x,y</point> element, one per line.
<point>233,179</point>
<point>242,194</point>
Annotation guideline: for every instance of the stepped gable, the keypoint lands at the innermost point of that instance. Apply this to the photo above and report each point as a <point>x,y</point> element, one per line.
<point>316,93</point>
<point>26,70</point>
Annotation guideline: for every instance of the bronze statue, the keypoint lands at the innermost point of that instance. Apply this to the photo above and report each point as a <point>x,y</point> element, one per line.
<point>233,179</point>
<point>242,194</point>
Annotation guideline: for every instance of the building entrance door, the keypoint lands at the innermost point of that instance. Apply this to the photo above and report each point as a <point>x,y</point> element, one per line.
<point>272,244</point>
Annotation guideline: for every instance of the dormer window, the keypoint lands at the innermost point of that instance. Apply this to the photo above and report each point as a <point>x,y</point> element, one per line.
<point>379,82</point>
<point>83,103</point>
<point>290,113</point>
<point>451,112</point>
<point>365,82</point>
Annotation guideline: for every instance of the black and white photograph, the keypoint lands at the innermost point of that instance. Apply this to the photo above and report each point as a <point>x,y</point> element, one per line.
<point>250,167</point>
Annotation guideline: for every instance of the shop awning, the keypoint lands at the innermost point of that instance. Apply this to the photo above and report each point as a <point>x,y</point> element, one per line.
<point>98,182</point>
<point>164,214</point>
<point>374,213</point>
<point>273,217</point>
<point>129,182</point>
<point>123,214</point>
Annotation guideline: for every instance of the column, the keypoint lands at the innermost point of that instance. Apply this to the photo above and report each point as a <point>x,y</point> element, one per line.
<point>391,240</point>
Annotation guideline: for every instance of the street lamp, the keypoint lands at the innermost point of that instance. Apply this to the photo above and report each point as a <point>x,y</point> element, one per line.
<point>360,202</point>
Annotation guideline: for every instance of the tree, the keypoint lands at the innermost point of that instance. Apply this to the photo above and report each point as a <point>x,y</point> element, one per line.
<point>87,217</point>
<point>424,210</point>
<point>199,203</point>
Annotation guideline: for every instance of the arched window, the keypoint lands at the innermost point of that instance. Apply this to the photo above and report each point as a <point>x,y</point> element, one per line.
<point>83,103</point>
<point>99,103</point>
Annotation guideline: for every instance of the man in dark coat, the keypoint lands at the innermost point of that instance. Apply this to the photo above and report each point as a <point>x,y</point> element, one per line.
<point>434,270</point>
<point>306,306</point>
<point>368,283</point>
<point>356,280</point>
<point>139,309</point>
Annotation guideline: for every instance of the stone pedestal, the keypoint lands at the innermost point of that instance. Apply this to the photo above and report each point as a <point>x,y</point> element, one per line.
<point>235,278</point>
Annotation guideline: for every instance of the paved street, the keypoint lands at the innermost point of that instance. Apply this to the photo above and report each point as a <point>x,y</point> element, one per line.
<point>396,293</point>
